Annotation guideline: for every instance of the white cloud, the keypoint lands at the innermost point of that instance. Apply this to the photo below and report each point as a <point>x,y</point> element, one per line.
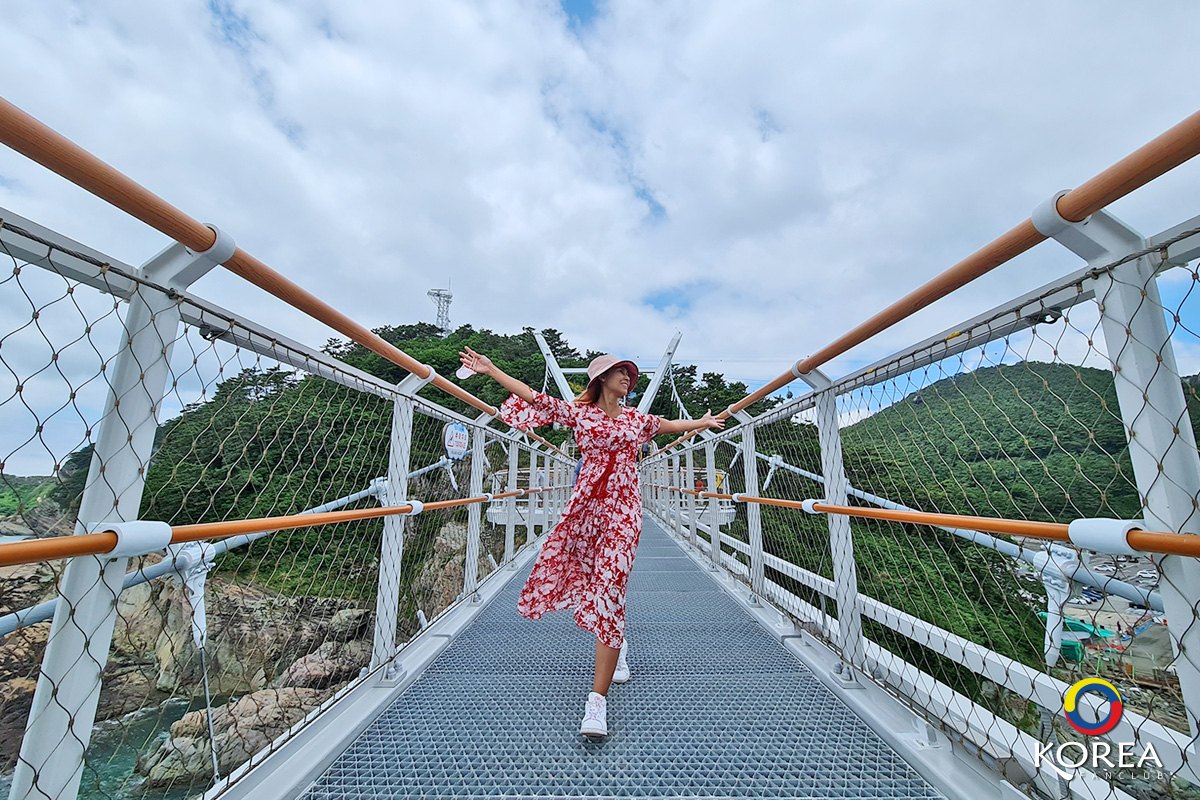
<point>771,173</point>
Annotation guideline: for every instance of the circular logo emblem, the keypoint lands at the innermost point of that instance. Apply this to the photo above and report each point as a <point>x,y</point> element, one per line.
<point>1105,690</point>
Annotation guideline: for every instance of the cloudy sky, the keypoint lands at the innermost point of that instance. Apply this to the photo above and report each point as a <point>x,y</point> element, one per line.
<point>758,175</point>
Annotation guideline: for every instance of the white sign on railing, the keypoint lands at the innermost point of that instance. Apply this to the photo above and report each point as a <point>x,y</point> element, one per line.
<point>457,439</point>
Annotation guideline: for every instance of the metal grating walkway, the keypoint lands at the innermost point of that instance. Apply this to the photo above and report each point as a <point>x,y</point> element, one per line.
<point>715,708</point>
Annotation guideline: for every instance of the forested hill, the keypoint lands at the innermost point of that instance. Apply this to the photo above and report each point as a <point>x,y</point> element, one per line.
<point>1030,440</point>
<point>223,456</point>
<point>519,356</point>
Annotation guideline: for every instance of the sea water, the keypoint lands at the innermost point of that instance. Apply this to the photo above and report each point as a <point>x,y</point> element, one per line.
<point>113,751</point>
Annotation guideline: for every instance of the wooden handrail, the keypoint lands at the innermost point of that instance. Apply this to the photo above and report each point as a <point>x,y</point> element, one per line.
<point>31,551</point>
<point>1174,544</point>
<point>40,143</point>
<point>1160,155</point>
<point>98,544</point>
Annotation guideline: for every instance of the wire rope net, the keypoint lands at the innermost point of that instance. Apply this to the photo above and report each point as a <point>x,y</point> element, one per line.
<point>223,645</point>
<point>799,568</point>
<point>1026,415</point>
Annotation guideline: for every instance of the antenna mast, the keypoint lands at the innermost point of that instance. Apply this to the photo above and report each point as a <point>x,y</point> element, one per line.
<point>442,297</point>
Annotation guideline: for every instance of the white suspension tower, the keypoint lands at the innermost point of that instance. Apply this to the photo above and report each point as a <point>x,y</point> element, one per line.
<point>442,297</point>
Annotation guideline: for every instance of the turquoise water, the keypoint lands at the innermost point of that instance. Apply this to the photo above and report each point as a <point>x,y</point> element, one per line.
<point>112,756</point>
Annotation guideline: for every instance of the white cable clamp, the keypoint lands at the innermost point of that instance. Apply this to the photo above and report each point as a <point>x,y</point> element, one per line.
<point>136,538</point>
<point>737,498</point>
<point>796,370</point>
<point>417,507</point>
<point>740,416</point>
<point>1104,535</point>
<point>811,506</point>
<point>1046,219</point>
<point>202,261</point>
<point>487,497</point>
<point>414,383</point>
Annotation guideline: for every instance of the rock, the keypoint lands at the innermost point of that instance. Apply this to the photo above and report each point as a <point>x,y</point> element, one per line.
<point>16,697</point>
<point>452,538</point>
<point>242,728</point>
<point>21,651</point>
<point>42,519</point>
<point>349,623</point>
<point>253,635</point>
<point>26,585</point>
<point>332,663</point>
<point>14,526</point>
<point>141,615</point>
<point>449,585</point>
<point>127,689</point>
<point>440,581</point>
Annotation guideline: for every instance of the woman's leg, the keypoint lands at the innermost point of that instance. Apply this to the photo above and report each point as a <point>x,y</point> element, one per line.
<point>606,664</point>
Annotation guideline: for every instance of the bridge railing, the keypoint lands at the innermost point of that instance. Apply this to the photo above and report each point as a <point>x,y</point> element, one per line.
<point>1074,403</point>
<point>177,650</point>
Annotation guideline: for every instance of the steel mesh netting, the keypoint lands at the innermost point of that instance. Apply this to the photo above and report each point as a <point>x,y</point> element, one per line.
<point>55,350</point>
<point>436,541</point>
<point>798,564</point>
<point>1025,427</point>
<point>711,473</point>
<point>1020,418</point>
<point>730,516</point>
<point>287,615</point>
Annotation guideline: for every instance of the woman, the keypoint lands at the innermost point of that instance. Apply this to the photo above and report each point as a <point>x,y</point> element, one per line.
<point>584,564</point>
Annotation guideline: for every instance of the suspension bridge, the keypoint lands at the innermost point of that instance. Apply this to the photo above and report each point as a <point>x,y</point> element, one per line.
<point>261,573</point>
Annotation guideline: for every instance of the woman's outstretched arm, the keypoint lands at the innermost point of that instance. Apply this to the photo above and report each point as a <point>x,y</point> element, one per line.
<point>685,425</point>
<point>484,366</point>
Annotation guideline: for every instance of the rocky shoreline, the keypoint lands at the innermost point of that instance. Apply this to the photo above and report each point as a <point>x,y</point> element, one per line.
<point>275,658</point>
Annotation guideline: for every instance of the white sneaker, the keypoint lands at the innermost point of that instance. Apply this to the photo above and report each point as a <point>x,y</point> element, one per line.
<point>594,716</point>
<point>621,673</point>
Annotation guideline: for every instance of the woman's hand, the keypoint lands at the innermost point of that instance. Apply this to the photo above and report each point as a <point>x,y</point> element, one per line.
<point>475,362</point>
<point>709,421</point>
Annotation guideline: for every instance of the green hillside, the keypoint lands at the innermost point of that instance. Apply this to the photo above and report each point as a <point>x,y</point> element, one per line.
<point>19,494</point>
<point>1027,441</point>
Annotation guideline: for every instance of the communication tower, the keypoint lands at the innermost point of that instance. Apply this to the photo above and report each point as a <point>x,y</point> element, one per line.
<point>442,297</point>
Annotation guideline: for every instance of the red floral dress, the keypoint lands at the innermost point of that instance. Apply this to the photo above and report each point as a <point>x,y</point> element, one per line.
<point>585,562</point>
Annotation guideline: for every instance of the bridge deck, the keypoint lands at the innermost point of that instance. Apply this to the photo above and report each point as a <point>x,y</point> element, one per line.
<point>716,708</point>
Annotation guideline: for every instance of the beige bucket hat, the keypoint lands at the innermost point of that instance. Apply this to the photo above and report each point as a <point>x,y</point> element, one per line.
<point>604,363</point>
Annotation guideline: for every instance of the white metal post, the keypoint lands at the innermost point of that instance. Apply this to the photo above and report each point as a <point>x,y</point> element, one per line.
<point>841,537</point>
<point>664,491</point>
<point>537,500</point>
<point>677,497</point>
<point>510,518</point>
<point>652,477</point>
<point>551,493</point>
<point>471,573</point>
<point>690,484</point>
<point>667,495</point>
<point>1162,447</point>
<point>68,688</point>
<point>560,494</point>
<point>387,599</point>
<point>531,502</point>
<point>714,525</point>
<point>753,512</point>
<point>656,474</point>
